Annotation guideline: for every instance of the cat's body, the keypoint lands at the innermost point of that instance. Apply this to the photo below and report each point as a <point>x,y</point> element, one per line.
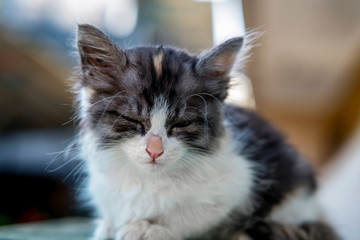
<point>168,159</point>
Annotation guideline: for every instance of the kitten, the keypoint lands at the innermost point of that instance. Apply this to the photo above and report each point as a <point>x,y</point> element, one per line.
<point>168,160</point>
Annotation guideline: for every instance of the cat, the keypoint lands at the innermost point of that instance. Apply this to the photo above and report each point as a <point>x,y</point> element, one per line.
<point>169,160</point>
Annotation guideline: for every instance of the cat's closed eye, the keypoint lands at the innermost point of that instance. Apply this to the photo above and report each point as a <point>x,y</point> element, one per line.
<point>128,119</point>
<point>113,112</point>
<point>182,124</point>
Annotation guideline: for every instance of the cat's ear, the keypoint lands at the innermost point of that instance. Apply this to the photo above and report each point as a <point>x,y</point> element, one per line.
<point>101,60</point>
<point>219,61</point>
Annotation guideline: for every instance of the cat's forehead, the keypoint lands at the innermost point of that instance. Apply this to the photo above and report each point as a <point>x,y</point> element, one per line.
<point>160,72</point>
<point>159,58</point>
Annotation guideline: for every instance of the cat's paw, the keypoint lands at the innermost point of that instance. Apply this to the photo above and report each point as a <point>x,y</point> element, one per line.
<point>143,230</point>
<point>103,230</point>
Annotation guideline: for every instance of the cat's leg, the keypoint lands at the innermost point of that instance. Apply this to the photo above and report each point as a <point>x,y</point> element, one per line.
<point>270,230</point>
<point>143,230</point>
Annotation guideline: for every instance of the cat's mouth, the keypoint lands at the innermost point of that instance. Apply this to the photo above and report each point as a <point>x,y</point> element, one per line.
<point>154,162</point>
<point>154,167</point>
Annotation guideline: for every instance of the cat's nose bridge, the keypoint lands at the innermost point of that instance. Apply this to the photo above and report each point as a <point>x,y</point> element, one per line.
<point>154,146</point>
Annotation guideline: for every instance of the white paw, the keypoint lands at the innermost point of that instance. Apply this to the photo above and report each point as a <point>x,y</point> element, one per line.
<point>143,230</point>
<point>103,230</point>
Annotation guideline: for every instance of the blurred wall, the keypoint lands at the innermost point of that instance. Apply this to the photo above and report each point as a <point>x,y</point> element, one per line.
<point>305,70</point>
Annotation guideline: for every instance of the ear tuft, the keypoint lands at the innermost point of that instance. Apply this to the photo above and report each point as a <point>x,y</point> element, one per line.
<point>219,61</point>
<point>101,60</point>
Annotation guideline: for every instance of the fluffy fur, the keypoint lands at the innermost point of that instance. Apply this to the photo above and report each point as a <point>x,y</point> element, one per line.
<point>224,174</point>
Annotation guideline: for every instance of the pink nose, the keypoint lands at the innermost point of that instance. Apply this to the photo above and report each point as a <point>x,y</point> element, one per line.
<point>154,147</point>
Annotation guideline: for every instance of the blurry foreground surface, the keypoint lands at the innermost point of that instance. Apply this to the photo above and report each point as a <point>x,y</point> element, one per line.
<point>67,228</point>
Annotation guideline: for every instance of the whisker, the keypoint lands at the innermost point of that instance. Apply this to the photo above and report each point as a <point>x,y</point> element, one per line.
<point>110,129</point>
<point>64,153</point>
<point>73,118</point>
<point>81,186</point>
<point>61,166</point>
<point>200,151</point>
<point>103,99</point>
<point>81,164</point>
<point>107,105</point>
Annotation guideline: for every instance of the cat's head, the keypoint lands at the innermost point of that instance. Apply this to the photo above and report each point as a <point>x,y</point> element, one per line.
<point>155,106</point>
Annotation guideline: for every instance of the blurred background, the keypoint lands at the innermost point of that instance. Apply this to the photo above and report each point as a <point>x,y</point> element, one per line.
<point>303,76</point>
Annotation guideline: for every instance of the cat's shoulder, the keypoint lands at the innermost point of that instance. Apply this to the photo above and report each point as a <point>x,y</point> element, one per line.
<point>247,120</point>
